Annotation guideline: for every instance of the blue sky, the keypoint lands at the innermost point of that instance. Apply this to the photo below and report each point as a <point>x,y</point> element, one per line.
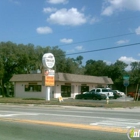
<point>75,26</point>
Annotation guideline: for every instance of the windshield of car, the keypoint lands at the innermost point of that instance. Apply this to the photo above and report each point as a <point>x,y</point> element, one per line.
<point>104,90</point>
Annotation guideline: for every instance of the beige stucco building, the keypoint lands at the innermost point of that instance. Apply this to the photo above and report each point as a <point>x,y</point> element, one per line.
<point>66,85</point>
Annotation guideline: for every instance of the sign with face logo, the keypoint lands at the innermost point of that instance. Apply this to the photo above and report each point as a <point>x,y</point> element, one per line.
<point>48,60</point>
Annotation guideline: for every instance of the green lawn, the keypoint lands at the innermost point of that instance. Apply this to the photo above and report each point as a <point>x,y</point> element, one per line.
<point>71,102</point>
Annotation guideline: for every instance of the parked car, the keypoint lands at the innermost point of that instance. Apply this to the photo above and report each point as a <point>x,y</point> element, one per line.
<point>79,96</point>
<point>105,91</point>
<point>116,94</point>
<point>91,95</point>
<point>131,94</point>
<point>97,95</point>
<point>120,92</point>
<point>85,92</point>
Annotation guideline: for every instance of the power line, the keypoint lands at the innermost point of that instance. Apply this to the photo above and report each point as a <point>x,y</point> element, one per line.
<point>109,48</point>
<point>97,39</point>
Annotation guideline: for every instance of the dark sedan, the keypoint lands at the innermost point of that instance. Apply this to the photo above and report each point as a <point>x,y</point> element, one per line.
<point>91,95</point>
<point>79,96</point>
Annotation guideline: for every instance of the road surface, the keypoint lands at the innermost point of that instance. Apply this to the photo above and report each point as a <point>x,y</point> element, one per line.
<point>84,123</point>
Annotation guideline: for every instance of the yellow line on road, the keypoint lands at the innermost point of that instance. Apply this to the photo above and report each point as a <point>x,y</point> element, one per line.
<point>69,125</point>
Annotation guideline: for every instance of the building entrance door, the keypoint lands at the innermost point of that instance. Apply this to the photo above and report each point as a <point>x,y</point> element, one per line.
<point>65,91</point>
<point>84,89</point>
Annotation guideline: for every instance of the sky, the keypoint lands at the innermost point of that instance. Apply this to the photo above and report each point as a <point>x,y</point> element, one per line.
<point>75,26</point>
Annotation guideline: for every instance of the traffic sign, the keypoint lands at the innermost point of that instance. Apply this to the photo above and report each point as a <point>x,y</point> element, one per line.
<point>126,83</point>
<point>126,77</point>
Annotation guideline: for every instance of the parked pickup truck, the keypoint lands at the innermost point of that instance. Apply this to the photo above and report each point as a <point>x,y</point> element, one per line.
<point>105,91</point>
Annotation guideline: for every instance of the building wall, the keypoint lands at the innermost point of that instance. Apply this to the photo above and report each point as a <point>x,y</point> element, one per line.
<point>75,88</point>
<point>55,91</point>
<point>21,93</point>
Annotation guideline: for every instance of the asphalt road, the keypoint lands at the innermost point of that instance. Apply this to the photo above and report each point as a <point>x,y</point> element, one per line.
<point>34,121</point>
<point>24,131</point>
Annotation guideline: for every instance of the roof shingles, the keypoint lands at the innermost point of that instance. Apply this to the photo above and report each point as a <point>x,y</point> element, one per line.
<point>64,77</point>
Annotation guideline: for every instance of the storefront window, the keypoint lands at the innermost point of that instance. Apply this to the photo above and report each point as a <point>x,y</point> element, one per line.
<point>33,88</point>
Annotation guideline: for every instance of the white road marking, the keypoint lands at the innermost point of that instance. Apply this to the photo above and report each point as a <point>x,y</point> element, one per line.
<point>123,124</point>
<point>20,114</point>
<point>78,116</point>
<point>101,121</point>
<point>93,123</point>
<point>8,115</point>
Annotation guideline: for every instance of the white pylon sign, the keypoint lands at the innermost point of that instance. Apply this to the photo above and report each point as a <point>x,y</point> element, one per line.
<point>48,60</point>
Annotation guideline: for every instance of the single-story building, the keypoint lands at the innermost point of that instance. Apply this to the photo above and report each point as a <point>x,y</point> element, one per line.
<point>66,85</point>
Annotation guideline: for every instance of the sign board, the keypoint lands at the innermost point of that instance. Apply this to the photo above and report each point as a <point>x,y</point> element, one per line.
<point>48,60</point>
<point>126,80</point>
<point>49,78</point>
<point>126,83</point>
<point>126,77</point>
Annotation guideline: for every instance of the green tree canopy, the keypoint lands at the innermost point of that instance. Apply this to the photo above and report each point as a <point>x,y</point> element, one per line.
<point>22,59</point>
<point>96,68</point>
<point>135,72</point>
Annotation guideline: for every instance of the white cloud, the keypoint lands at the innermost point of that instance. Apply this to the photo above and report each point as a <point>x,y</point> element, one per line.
<point>15,2</point>
<point>110,6</point>
<point>122,42</point>
<point>137,31</point>
<point>79,48</point>
<point>44,30</point>
<point>64,40</point>
<point>94,20</point>
<point>107,62</point>
<point>49,10</point>
<point>57,1</point>
<point>67,17</point>
<point>128,60</point>
<point>108,11</point>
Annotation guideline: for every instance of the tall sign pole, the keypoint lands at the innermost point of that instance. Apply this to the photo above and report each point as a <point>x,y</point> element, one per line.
<point>48,77</point>
<point>126,83</point>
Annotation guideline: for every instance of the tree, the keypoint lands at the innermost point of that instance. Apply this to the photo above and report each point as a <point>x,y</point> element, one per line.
<point>116,71</point>
<point>77,64</point>
<point>1,69</point>
<point>95,68</point>
<point>78,60</point>
<point>70,66</point>
<point>135,73</point>
<point>39,52</point>
<point>60,59</point>
<point>15,59</point>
